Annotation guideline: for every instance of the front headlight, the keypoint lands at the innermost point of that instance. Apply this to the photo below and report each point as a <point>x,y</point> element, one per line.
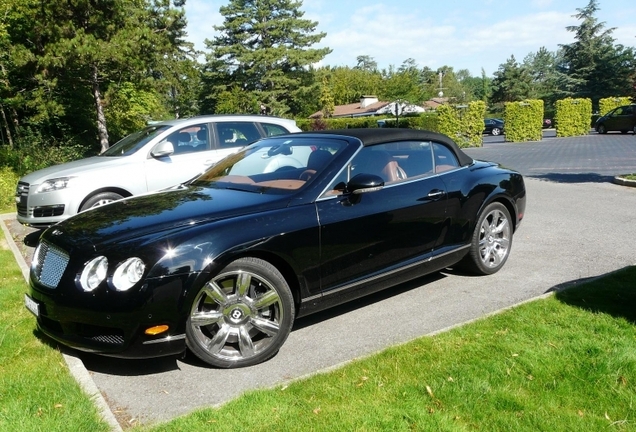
<point>94,273</point>
<point>128,274</point>
<point>53,184</point>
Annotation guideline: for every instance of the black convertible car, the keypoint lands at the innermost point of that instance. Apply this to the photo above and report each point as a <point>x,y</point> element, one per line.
<point>290,225</point>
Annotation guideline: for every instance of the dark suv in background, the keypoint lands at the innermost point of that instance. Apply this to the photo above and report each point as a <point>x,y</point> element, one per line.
<point>621,119</point>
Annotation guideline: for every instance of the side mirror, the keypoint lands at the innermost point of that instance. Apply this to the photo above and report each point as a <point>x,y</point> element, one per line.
<point>163,149</point>
<point>364,183</point>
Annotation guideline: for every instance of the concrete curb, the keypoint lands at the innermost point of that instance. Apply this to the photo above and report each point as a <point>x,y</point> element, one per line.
<point>624,182</point>
<point>75,365</point>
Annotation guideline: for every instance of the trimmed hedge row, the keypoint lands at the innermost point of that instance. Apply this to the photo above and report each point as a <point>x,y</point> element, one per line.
<point>607,104</point>
<point>425,121</point>
<point>573,117</point>
<point>524,120</point>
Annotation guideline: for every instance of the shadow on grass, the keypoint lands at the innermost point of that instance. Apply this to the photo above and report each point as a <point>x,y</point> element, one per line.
<point>614,294</point>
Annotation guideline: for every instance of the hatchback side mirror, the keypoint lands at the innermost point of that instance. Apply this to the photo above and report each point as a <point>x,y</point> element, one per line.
<point>163,149</point>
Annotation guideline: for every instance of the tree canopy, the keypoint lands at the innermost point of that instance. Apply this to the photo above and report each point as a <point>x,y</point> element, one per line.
<point>263,48</point>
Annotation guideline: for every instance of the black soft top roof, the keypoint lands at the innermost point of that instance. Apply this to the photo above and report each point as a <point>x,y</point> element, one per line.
<point>372,136</point>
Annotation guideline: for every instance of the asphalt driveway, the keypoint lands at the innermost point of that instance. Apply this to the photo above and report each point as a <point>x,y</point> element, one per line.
<point>578,226</point>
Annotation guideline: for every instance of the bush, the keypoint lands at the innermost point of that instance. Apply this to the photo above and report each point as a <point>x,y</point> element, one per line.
<point>31,153</point>
<point>8,182</point>
<point>423,121</point>
<point>463,123</point>
<point>573,117</point>
<point>524,120</point>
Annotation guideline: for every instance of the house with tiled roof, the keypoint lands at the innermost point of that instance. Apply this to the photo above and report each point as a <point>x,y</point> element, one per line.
<point>369,106</point>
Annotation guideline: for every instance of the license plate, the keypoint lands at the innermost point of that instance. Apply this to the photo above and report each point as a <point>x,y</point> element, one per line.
<point>32,305</point>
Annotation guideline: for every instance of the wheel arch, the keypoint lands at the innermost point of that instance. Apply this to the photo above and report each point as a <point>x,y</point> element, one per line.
<point>284,267</point>
<point>123,192</point>
<point>506,202</point>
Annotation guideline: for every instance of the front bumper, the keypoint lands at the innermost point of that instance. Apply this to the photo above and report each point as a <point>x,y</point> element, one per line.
<point>41,210</point>
<point>117,334</point>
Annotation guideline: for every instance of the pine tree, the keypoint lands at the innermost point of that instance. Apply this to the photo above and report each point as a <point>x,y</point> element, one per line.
<point>263,47</point>
<point>594,65</point>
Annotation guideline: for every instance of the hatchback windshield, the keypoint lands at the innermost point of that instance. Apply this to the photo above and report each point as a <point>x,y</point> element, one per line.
<point>273,165</point>
<point>133,142</point>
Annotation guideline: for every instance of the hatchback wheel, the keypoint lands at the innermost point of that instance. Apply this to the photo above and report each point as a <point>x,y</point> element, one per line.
<point>491,240</point>
<point>242,316</point>
<point>100,199</point>
<point>601,129</point>
<point>496,131</point>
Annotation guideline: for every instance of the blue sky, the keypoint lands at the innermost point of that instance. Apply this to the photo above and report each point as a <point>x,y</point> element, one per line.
<point>463,34</point>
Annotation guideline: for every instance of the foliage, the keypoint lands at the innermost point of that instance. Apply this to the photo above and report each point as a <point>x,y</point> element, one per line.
<point>463,123</point>
<point>573,117</point>
<point>130,109</point>
<point>8,183</point>
<point>31,152</point>
<point>264,48</point>
<point>595,66</point>
<point>605,105</point>
<point>512,82</point>
<point>524,120</point>
<point>61,59</point>
<point>423,121</point>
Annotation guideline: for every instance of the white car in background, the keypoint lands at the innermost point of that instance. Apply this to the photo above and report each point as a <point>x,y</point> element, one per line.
<point>161,155</point>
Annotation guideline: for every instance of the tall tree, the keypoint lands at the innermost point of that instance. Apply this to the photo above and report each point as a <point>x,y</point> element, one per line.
<point>512,82</point>
<point>68,54</point>
<point>264,46</point>
<point>545,79</point>
<point>595,66</point>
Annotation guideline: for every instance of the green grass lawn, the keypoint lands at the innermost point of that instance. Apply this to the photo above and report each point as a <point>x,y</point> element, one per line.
<point>565,363</point>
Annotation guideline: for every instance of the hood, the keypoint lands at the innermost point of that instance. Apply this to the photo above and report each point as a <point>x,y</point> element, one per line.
<point>74,168</point>
<point>154,213</point>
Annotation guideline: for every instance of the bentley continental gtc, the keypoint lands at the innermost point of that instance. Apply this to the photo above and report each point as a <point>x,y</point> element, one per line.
<point>224,263</point>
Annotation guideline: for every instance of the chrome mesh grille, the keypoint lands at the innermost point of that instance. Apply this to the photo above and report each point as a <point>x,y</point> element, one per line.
<point>109,339</point>
<point>49,263</point>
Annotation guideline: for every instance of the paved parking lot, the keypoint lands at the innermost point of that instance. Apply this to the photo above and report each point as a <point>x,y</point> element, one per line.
<point>577,226</point>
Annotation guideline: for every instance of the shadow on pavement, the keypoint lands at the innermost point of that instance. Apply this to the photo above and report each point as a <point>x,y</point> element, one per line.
<point>574,178</point>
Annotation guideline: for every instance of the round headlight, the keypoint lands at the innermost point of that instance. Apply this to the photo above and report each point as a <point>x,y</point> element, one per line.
<point>128,274</point>
<point>94,273</point>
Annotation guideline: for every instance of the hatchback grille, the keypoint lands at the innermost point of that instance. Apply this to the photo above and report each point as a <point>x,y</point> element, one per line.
<point>49,263</point>
<point>21,194</point>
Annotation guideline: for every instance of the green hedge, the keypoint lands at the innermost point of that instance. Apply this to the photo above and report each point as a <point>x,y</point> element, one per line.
<point>423,121</point>
<point>605,105</point>
<point>573,117</point>
<point>463,123</point>
<point>524,120</point>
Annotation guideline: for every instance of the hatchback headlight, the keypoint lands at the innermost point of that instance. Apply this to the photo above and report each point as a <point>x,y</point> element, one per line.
<point>53,184</point>
<point>94,273</point>
<point>128,274</point>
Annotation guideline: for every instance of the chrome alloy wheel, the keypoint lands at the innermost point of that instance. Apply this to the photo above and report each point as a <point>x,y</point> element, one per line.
<point>494,238</point>
<point>240,317</point>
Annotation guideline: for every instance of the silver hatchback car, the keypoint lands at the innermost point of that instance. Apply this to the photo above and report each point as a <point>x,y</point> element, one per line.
<point>161,155</point>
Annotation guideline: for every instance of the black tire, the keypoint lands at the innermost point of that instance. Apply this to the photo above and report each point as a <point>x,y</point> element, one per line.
<point>491,241</point>
<point>100,199</point>
<point>495,131</point>
<point>601,129</point>
<point>242,316</point>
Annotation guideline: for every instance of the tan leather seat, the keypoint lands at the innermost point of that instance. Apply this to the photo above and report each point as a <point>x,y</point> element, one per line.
<point>380,163</point>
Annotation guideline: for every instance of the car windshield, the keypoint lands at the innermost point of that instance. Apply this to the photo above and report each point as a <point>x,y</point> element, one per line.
<point>133,142</point>
<point>274,165</point>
